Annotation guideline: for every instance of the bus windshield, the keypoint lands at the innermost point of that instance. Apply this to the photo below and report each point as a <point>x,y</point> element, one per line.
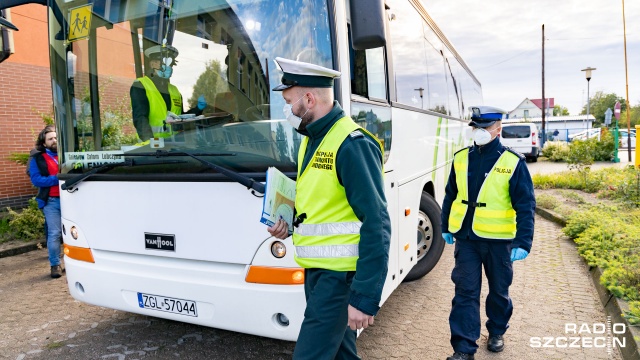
<point>135,77</point>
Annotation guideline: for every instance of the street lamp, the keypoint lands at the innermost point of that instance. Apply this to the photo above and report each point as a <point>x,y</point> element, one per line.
<point>421,89</point>
<point>588,74</point>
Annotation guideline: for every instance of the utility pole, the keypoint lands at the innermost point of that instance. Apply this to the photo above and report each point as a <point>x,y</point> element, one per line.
<point>626,74</point>
<point>544,102</point>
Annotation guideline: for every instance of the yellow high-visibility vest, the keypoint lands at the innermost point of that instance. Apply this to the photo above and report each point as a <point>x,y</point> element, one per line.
<point>494,216</point>
<point>158,107</point>
<point>328,237</point>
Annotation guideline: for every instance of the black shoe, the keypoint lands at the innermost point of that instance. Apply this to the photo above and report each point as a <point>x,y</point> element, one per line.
<point>56,271</point>
<point>495,343</point>
<point>460,356</point>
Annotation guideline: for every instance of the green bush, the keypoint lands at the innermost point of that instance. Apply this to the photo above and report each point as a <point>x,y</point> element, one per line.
<point>610,239</point>
<point>556,151</point>
<point>547,201</point>
<point>28,224</point>
<point>573,196</point>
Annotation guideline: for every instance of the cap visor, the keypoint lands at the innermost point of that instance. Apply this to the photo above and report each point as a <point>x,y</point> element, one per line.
<point>483,124</point>
<point>281,87</point>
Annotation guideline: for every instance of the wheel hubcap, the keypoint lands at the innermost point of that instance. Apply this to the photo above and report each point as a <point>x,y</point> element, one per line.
<point>425,235</point>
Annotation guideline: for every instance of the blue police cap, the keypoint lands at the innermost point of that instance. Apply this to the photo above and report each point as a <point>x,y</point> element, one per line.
<point>485,116</point>
<point>298,73</point>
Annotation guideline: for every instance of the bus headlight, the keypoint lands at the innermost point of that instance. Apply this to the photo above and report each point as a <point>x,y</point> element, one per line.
<point>74,232</point>
<point>278,249</point>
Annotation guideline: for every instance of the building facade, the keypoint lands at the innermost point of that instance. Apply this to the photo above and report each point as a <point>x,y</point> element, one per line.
<point>531,109</point>
<point>25,98</point>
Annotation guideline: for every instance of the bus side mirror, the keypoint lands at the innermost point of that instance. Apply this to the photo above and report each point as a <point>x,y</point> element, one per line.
<point>367,24</point>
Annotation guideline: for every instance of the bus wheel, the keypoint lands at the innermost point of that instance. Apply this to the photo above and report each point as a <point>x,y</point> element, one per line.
<point>430,242</point>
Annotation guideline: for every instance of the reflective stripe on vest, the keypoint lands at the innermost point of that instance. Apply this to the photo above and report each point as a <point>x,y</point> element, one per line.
<point>495,218</point>
<point>329,229</point>
<point>329,236</point>
<point>328,251</point>
<point>158,107</point>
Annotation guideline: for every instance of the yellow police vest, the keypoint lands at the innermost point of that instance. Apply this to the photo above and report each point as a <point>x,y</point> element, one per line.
<point>494,216</point>
<point>328,237</point>
<point>158,107</point>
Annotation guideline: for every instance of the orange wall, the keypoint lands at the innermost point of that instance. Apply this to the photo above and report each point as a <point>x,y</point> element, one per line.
<point>30,42</point>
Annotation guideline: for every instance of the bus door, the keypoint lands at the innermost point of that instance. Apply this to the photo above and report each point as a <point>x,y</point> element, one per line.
<point>371,109</point>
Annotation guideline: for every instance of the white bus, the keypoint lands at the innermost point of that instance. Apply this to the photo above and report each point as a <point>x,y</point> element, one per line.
<point>170,228</point>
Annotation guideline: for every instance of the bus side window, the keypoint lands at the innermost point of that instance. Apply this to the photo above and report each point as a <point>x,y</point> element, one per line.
<point>368,75</point>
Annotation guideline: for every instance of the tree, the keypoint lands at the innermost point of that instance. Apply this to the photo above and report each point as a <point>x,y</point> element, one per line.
<point>634,116</point>
<point>599,104</point>
<point>559,110</point>
<point>209,83</point>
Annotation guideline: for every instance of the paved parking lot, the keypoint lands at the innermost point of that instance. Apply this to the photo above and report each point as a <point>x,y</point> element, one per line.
<point>39,320</point>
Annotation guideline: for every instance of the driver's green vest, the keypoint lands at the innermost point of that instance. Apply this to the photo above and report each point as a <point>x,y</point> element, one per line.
<point>158,107</point>
<point>329,235</point>
<point>494,216</point>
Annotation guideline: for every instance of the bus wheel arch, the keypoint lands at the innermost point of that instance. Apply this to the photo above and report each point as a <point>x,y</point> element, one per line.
<point>429,237</point>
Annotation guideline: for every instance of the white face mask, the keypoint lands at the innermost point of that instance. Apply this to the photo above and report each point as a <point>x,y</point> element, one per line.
<point>293,119</point>
<point>481,136</point>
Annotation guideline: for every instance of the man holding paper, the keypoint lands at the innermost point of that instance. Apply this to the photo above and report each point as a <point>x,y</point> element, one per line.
<point>342,228</point>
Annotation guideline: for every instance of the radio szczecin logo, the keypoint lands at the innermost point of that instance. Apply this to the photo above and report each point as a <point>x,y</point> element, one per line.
<point>597,335</point>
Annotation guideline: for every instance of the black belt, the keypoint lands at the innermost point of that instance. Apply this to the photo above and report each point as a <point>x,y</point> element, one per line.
<point>474,204</point>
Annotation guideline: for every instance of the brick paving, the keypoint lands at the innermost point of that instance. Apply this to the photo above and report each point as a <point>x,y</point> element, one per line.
<point>39,320</point>
<point>551,287</point>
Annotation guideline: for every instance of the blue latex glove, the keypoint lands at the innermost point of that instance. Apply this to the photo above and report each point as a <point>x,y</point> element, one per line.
<point>518,254</point>
<point>448,238</point>
<point>202,103</point>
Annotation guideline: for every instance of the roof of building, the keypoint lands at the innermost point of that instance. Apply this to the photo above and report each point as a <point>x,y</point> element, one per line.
<point>552,119</point>
<point>538,103</point>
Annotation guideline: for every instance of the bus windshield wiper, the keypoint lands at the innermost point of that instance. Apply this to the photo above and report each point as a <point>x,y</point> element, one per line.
<point>69,183</point>
<point>235,176</point>
<point>164,153</point>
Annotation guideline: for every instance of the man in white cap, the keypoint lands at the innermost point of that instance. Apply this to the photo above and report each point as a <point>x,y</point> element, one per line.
<point>489,209</point>
<point>153,96</point>
<point>342,227</point>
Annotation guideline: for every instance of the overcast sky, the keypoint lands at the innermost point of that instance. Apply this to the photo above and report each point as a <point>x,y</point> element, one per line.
<point>501,41</point>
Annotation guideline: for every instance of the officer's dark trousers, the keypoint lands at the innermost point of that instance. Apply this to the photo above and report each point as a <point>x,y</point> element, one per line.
<point>464,320</point>
<point>324,333</point>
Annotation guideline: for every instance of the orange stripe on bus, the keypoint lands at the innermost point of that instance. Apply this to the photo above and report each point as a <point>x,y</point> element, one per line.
<point>275,275</point>
<point>78,253</point>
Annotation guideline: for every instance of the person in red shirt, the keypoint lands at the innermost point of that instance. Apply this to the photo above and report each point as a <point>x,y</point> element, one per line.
<point>43,170</point>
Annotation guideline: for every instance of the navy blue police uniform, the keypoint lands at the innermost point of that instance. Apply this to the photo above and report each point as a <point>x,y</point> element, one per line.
<point>472,252</point>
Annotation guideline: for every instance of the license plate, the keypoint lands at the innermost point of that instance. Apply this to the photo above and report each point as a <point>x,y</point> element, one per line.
<point>167,304</point>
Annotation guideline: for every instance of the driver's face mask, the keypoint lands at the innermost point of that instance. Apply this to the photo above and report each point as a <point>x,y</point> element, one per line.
<point>292,118</point>
<point>165,70</point>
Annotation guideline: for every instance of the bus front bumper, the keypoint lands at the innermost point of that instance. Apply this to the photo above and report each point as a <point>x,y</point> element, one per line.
<point>219,295</point>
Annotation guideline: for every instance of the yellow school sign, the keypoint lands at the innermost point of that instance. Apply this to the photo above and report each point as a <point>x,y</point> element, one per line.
<point>79,22</point>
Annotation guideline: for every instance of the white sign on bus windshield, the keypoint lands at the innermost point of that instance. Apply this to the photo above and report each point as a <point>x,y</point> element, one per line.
<point>91,159</point>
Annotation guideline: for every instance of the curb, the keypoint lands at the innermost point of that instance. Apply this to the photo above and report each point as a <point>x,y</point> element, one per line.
<point>23,249</point>
<point>613,306</point>
<point>551,216</point>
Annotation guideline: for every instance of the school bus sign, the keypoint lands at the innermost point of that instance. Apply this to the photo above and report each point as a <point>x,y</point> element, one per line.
<point>79,22</point>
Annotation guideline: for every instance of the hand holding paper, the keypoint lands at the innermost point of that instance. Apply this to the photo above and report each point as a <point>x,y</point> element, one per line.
<point>278,203</point>
<point>280,230</point>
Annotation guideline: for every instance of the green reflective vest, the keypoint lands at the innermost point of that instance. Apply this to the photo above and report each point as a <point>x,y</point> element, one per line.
<point>328,237</point>
<point>158,107</point>
<point>494,216</point>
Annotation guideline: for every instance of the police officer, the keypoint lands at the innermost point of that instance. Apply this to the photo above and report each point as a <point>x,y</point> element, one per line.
<point>152,95</point>
<point>489,209</point>
<point>342,228</point>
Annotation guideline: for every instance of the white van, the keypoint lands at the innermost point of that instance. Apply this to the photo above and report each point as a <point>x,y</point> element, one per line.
<point>523,138</point>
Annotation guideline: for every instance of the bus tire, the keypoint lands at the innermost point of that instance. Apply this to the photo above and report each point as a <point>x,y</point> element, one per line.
<point>430,242</point>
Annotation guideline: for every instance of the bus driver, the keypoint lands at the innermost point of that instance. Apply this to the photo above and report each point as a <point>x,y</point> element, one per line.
<point>152,95</point>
